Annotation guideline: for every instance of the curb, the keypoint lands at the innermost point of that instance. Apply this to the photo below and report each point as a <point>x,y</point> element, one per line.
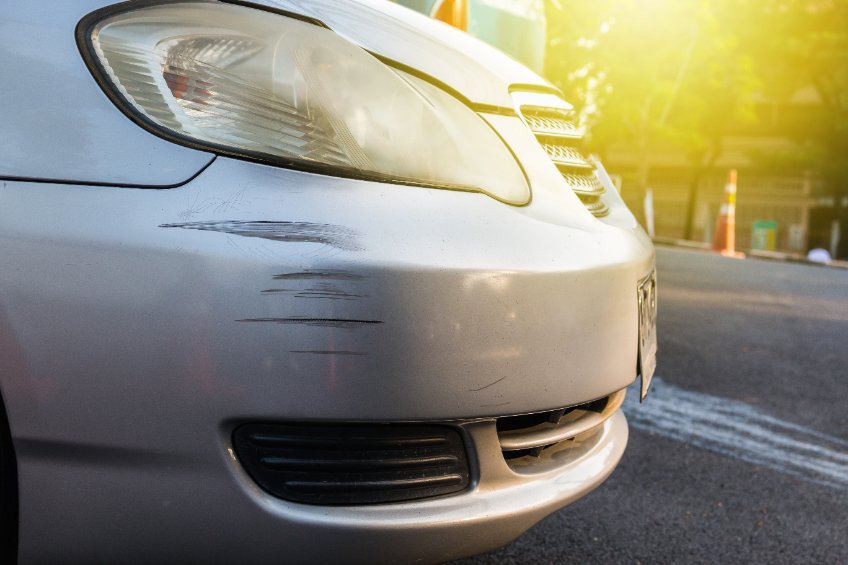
<point>750,253</point>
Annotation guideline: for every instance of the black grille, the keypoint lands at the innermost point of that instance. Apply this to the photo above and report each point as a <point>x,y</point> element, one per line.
<point>353,464</point>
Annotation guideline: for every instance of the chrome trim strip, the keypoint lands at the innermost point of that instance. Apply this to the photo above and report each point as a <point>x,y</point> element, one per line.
<point>539,100</point>
<point>565,156</point>
<point>547,434</point>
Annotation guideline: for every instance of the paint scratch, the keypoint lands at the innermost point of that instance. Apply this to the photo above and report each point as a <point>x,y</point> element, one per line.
<point>219,205</point>
<point>320,322</point>
<point>486,386</point>
<point>498,405</point>
<point>339,237</point>
<point>321,290</point>
<point>332,295</point>
<point>328,352</point>
<point>330,274</point>
<point>741,431</point>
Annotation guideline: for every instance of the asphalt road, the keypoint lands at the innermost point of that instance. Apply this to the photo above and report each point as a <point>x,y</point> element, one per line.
<point>740,454</point>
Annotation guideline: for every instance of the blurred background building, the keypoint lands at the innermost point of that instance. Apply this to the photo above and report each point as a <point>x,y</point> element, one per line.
<point>780,207</point>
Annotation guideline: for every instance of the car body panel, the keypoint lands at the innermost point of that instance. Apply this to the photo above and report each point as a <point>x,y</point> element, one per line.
<point>97,143</point>
<point>128,356</point>
<point>439,293</point>
<point>202,508</point>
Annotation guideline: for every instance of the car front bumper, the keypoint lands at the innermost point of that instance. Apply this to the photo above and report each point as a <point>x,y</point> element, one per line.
<point>141,325</point>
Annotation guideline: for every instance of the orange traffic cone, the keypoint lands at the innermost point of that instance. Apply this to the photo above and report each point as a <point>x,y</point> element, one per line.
<point>725,234</point>
<point>453,12</point>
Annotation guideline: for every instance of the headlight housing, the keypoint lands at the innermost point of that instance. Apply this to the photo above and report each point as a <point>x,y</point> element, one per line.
<point>264,86</point>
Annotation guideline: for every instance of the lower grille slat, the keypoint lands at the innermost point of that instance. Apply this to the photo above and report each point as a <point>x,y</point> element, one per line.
<point>373,486</point>
<point>283,463</point>
<point>531,434</point>
<point>342,442</point>
<point>353,464</point>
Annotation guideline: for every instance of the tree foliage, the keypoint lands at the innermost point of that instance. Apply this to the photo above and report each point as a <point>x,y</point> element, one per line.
<point>800,44</point>
<point>650,71</point>
<point>687,72</point>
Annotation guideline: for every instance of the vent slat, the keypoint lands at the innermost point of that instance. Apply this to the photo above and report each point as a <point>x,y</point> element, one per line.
<point>374,486</point>
<point>353,464</point>
<point>551,122</point>
<point>597,208</point>
<point>319,465</point>
<point>560,137</point>
<point>540,433</point>
<point>342,442</point>
<point>569,157</point>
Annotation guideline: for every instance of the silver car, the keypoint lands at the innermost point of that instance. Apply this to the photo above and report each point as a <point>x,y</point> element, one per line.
<point>288,281</point>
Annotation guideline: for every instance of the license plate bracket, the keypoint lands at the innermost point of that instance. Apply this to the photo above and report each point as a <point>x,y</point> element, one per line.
<point>647,361</point>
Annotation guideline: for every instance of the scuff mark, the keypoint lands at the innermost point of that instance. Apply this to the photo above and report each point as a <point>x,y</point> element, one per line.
<point>332,274</point>
<point>321,322</point>
<point>487,386</point>
<point>329,291</point>
<point>327,295</point>
<point>219,205</point>
<point>329,352</point>
<point>331,235</point>
<point>84,453</point>
<point>496,405</point>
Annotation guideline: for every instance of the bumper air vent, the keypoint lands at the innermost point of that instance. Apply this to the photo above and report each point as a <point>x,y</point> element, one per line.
<point>531,435</point>
<point>353,464</point>
<point>552,122</point>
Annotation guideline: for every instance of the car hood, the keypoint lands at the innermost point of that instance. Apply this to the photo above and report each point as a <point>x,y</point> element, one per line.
<point>475,70</point>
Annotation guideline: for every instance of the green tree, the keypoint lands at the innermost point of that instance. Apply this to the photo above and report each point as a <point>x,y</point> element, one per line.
<point>797,44</point>
<point>688,72</point>
<point>650,73</point>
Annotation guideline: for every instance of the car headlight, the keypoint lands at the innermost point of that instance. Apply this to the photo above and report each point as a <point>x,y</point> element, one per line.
<point>258,85</point>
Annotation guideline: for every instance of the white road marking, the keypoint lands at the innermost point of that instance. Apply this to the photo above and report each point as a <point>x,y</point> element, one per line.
<point>741,431</point>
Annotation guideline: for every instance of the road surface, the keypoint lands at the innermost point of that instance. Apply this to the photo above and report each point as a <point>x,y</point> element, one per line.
<point>740,454</point>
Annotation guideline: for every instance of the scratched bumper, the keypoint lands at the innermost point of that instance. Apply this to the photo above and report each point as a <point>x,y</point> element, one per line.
<point>147,322</point>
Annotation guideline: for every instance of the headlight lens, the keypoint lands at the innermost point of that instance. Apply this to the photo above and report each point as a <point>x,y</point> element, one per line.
<point>254,84</point>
